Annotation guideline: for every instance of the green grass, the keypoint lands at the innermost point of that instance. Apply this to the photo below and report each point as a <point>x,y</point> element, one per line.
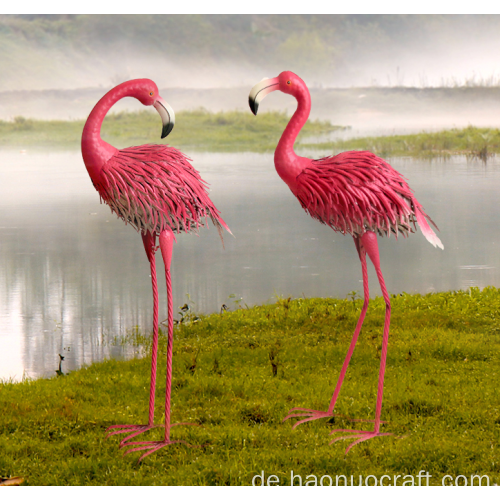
<point>236,131</point>
<point>230,131</point>
<point>471,141</point>
<point>238,374</point>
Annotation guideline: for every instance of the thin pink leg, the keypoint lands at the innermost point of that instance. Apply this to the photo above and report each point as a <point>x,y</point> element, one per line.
<point>166,246</point>
<point>149,240</point>
<point>314,414</point>
<point>366,293</point>
<point>371,246</point>
<point>167,239</point>
<point>369,242</point>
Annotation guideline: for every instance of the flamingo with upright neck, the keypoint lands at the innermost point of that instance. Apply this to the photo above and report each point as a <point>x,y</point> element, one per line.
<point>156,190</point>
<point>354,193</point>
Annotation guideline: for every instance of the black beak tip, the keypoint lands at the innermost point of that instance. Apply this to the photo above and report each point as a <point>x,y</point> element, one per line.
<point>166,130</point>
<point>254,107</point>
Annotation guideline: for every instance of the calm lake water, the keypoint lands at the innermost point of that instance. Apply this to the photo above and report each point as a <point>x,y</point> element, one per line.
<point>73,275</point>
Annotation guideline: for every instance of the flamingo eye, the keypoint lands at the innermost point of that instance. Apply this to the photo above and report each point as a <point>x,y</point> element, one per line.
<point>151,93</point>
<point>289,82</point>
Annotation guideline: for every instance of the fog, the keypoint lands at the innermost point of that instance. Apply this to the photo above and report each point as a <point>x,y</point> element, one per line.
<point>67,52</point>
<point>366,71</point>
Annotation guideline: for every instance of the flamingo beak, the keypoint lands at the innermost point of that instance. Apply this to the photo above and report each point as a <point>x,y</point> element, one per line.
<point>259,91</point>
<point>167,116</point>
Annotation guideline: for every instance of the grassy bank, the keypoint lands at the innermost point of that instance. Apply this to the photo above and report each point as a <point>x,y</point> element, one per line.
<point>238,374</point>
<point>471,141</point>
<point>194,130</point>
<point>241,131</point>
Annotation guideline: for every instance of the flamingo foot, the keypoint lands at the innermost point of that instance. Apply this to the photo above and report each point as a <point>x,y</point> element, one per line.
<point>134,430</point>
<point>360,436</point>
<point>311,415</point>
<point>153,446</point>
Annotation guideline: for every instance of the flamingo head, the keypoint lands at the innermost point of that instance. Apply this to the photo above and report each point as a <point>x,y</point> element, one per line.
<point>287,82</point>
<point>146,91</point>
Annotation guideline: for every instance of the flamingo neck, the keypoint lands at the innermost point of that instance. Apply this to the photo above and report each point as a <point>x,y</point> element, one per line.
<point>287,163</point>
<point>95,151</point>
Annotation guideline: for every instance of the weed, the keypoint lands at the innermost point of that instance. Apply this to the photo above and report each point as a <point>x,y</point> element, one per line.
<point>273,357</point>
<point>192,362</point>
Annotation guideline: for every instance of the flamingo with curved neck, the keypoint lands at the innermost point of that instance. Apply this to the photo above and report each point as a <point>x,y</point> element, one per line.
<point>354,193</point>
<point>156,190</point>
<point>97,152</point>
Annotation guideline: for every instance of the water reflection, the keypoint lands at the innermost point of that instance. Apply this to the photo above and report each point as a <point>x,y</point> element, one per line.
<point>73,277</point>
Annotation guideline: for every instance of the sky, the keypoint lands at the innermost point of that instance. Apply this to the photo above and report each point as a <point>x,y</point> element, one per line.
<point>223,52</point>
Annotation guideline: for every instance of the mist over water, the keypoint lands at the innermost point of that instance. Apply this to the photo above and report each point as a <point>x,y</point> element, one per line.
<point>369,111</point>
<point>377,74</point>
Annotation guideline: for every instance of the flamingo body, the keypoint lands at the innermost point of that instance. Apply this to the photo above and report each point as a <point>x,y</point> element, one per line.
<point>155,189</point>
<point>356,193</point>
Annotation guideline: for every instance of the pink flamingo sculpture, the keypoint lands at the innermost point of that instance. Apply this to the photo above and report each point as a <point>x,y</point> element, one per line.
<point>353,192</point>
<point>155,189</point>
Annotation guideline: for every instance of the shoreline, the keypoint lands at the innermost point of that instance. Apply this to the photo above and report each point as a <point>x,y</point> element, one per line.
<point>237,131</point>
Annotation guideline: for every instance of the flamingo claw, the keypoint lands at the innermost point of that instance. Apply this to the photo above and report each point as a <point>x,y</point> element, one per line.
<point>360,436</point>
<point>134,430</point>
<point>153,446</point>
<point>311,415</point>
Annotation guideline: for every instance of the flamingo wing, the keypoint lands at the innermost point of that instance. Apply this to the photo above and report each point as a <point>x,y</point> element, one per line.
<point>153,187</point>
<point>356,191</point>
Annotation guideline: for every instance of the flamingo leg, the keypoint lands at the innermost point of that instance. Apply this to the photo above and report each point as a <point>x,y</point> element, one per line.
<point>371,245</point>
<point>166,246</point>
<point>315,414</point>
<point>369,242</point>
<point>149,241</point>
<point>166,239</point>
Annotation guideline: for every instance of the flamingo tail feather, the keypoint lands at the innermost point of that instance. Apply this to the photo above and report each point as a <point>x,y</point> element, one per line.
<point>427,231</point>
